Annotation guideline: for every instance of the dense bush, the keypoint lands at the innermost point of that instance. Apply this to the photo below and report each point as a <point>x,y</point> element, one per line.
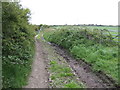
<point>17,45</point>
<point>95,48</point>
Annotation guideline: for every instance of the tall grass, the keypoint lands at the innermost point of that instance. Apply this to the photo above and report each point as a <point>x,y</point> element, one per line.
<point>95,48</point>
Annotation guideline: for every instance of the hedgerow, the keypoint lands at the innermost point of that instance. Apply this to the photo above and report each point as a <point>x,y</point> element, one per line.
<point>17,45</point>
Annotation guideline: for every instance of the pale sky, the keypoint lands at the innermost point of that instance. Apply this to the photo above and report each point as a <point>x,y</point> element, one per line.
<point>59,12</point>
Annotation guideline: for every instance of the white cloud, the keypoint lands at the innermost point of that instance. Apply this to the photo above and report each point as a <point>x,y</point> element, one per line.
<point>73,11</point>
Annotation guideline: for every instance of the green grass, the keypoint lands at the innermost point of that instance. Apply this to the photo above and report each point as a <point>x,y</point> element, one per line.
<point>102,27</point>
<point>101,58</point>
<point>15,78</point>
<point>89,46</point>
<point>90,27</point>
<point>71,84</point>
<point>62,76</point>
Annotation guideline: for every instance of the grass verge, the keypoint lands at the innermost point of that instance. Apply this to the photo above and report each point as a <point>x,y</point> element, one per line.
<point>92,47</point>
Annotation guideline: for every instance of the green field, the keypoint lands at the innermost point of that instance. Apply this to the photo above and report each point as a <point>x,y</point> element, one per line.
<point>90,45</point>
<point>113,30</point>
<point>102,27</point>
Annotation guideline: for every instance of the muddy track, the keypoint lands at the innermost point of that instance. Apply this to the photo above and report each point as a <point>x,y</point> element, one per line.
<point>85,73</point>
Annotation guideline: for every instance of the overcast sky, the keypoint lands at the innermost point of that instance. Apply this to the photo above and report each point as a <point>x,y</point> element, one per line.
<point>52,12</point>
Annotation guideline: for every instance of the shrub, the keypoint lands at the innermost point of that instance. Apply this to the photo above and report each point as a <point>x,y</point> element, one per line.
<point>18,45</point>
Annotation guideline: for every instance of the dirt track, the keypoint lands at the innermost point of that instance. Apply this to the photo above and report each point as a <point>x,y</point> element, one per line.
<point>84,71</point>
<point>39,76</point>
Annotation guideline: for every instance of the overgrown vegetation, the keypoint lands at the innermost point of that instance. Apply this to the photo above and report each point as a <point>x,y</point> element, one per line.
<point>17,45</point>
<point>100,50</point>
